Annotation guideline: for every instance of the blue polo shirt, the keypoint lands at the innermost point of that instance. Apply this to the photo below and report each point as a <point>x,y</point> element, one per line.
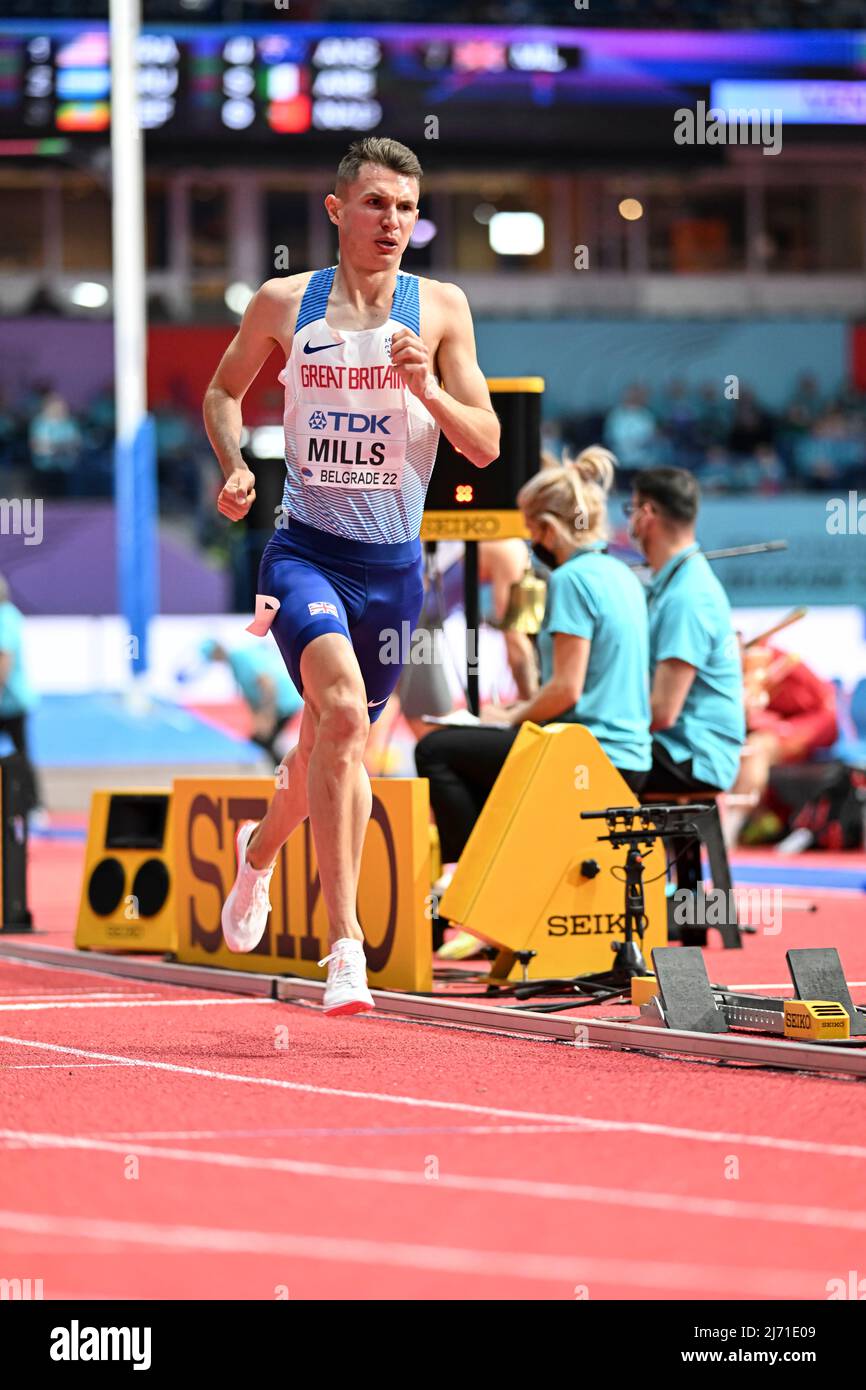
<point>597,597</point>
<point>690,620</point>
<point>16,696</point>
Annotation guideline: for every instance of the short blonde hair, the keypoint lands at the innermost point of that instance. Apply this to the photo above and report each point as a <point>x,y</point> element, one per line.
<point>574,494</point>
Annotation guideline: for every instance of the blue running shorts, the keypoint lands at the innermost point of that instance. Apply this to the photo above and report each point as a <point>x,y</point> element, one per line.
<point>370,593</point>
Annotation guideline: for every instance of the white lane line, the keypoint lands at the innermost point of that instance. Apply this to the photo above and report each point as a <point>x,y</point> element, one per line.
<point>61,1066</point>
<point>786,1214</point>
<point>746,1281</point>
<point>84,995</point>
<point>135,1004</point>
<point>326,1132</point>
<point>587,1123</point>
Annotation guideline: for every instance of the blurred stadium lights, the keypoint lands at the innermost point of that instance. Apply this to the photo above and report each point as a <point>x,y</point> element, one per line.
<point>89,294</point>
<point>423,233</point>
<point>268,442</point>
<point>516,233</point>
<point>238,296</point>
<point>483,213</point>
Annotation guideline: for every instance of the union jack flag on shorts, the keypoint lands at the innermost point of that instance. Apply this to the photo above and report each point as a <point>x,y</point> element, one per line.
<point>320,606</point>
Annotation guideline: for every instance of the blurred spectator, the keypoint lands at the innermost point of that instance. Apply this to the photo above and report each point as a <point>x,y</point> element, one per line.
<point>739,446</point>
<point>770,470</point>
<point>678,415</point>
<point>266,686</point>
<point>805,405</point>
<point>630,430</point>
<point>55,444</point>
<point>17,698</point>
<point>733,446</point>
<point>790,716</point>
<point>751,425</point>
<point>833,449</point>
<point>713,413</point>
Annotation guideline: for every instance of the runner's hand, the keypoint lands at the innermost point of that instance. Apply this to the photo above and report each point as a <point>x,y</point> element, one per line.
<point>411,356</point>
<point>237,495</point>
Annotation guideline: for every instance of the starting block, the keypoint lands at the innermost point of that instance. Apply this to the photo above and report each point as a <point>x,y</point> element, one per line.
<point>821,1011</point>
<point>817,974</point>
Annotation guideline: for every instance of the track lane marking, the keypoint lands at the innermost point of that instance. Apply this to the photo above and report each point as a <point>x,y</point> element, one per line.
<point>135,1004</point>
<point>84,995</point>
<point>586,1123</point>
<point>61,1066</point>
<point>568,1270</point>
<point>323,1132</point>
<point>481,1185</point>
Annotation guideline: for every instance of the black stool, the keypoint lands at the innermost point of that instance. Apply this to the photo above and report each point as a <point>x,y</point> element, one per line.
<point>689,871</point>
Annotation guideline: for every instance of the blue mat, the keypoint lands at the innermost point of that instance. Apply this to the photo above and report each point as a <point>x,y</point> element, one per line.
<point>99,730</point>
<point>786,875</point>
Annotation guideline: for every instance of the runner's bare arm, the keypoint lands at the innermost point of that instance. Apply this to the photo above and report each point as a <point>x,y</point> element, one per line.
<point>241,363</point>
<point>463,409</point>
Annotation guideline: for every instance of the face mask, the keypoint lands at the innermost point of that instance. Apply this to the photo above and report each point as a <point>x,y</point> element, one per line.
<point>546,556</point>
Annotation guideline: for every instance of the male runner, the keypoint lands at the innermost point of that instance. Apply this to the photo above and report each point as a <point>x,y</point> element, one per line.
<point>364,344</point>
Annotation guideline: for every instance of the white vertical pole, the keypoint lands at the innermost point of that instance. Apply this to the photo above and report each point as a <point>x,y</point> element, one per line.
<point>135,452</point>
<point>127,224</point>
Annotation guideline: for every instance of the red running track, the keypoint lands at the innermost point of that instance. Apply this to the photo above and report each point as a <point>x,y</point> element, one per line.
<point>162,1142</point>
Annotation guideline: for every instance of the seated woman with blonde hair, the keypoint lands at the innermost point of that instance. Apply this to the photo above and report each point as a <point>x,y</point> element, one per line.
<point>593,651</point>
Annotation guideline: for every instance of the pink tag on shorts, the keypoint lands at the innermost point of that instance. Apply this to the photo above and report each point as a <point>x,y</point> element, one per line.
<point>266,610</point>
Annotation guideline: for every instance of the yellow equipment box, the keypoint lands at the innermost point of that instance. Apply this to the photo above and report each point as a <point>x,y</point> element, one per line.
<point>534,876</point>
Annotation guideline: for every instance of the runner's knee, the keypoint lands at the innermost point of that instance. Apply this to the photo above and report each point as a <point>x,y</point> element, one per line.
<point>342,715</point>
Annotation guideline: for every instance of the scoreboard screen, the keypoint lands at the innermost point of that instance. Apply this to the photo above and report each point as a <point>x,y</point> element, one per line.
<point>509,87</point>
<point>468,503</point>
<point>268,82</point>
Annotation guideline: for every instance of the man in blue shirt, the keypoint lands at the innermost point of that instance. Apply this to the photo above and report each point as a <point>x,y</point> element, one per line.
<point>265,685</point>
<point>698,722</point>
<point>16,696</point>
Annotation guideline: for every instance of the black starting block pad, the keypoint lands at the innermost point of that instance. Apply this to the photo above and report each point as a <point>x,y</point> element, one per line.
<point>817,974</point>
<point>686,993</point>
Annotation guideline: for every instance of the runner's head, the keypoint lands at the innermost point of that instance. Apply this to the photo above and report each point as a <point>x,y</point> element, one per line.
<point>375,202</point>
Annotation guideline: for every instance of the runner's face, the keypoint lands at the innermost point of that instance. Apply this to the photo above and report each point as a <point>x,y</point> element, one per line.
<point>376,217</point>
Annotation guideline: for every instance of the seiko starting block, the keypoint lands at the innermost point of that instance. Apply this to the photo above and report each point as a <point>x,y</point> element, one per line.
<point>820,1008</point>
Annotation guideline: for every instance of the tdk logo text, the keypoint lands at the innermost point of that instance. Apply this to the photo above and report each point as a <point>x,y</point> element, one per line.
<point>355,422</point>
<point>77,1343</point>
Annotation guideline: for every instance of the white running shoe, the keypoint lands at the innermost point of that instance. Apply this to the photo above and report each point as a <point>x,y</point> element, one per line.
<point>346,991</point>
<point>245,911</point>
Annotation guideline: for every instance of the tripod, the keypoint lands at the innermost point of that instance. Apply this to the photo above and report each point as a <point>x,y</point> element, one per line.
<point>637,828</point>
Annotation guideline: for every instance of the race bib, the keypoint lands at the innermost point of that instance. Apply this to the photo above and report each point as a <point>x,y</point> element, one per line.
<point>351,448</point>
